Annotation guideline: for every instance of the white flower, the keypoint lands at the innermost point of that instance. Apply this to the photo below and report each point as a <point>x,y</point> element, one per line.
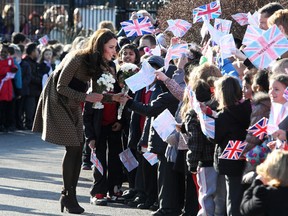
<point>110,86</point>
<point>128,66</point>
<point>105,82</point>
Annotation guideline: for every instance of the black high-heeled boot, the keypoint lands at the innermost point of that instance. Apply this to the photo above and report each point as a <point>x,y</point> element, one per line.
<point>68,200</point>
<point>75,199</point>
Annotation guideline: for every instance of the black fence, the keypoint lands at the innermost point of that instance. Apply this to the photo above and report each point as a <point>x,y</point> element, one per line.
<point>38,18</point>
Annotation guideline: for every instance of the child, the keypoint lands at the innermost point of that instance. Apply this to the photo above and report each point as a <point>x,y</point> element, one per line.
<point>45,67</point>
<point>7,73</point>
<point>260,108</point>
<point>103,133</point>
<point>129,54</point>
<point>231,124</point>
<point>167,179</point>
<point>201,150</point>
<point>279,111</point>
<point>268,193</point>
<point>247,86</point>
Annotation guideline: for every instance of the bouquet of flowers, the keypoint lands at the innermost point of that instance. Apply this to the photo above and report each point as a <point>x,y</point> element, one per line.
<point>103,85</point>
<point>126,70</point>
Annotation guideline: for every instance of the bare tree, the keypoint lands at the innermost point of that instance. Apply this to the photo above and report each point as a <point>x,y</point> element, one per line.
<point>182,9</point>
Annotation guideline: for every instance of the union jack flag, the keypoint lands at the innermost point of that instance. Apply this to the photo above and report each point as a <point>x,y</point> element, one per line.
<point>151,157</point>
<point>223,25</point>
<point>233,150</point>
<point>278,113</point>
<point>253,19</point>
<point>137,27</point>
<point>241,18</point>
<point>259,129</point>
<point>190,95</point>
<point>164,124</point>
<point>267,47</point>
<point>216,35</point>
<point>174,52</point>
<point>227,46</point>
<point>251,34</point>
<point>96,162</point>
<point>44,40</point>
<point>210,11</point>
<point>207,125</point>
<point>128,160</point>
<point>285,94</point>
<point>178,27</point>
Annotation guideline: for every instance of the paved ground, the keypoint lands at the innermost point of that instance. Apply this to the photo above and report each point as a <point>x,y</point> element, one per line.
<point>30,179</point>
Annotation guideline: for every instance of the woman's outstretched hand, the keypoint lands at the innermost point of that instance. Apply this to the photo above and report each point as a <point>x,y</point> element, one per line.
<point>94,97</point>
<point>117,97</point>
<point>124,98</point>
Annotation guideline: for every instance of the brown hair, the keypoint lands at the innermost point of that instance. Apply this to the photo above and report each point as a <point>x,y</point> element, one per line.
<point>228,91</point>
<point>45,49</point>
<point>280,17</point>
<point>94,50</point>
<point>205,71</point>
<point>282,78</point>
<point>106,24</point>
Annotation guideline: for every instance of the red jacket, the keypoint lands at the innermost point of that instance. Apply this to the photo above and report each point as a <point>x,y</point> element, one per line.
<point>6,87</point>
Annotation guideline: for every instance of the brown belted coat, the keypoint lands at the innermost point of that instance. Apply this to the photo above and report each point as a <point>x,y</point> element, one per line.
<point>59,114</point>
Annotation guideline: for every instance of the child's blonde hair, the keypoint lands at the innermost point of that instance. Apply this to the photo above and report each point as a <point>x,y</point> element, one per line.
<point>275,168</point>
<point>280,17</point>
<point>205,71</point>
<point>227,91</point>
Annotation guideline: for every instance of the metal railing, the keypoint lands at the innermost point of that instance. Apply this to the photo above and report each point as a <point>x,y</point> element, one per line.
<point>91,15</point>
<point>91,12</point>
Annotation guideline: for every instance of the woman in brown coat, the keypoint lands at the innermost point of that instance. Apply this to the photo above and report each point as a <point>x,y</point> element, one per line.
<point>59,114</point>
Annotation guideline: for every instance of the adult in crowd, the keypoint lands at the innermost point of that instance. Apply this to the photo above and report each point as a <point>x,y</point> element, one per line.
<point>266,11</point>
<point>266,196</point>
<point>59,114</point>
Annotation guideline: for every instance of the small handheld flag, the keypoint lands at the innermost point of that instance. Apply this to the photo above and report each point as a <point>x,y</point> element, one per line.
<point>241,18</point>
<point>151,157</point>
<point>253,19</point>
<point>233,150</point>
<point>251,34</point>
<point>209,11</point>
<point>174,52</point>
<point>44,40</point>
<point>178,27</point>
<point>259,129</point>
<point>137,27</point>
<point>96,162</point>
<point>128,160</point>
<point>223,25</point>
<point>227,46</point>
<point>207,125</point>
<point>267,47</point>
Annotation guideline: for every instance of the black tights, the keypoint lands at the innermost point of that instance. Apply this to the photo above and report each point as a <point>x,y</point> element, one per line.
<point>71,166</point>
